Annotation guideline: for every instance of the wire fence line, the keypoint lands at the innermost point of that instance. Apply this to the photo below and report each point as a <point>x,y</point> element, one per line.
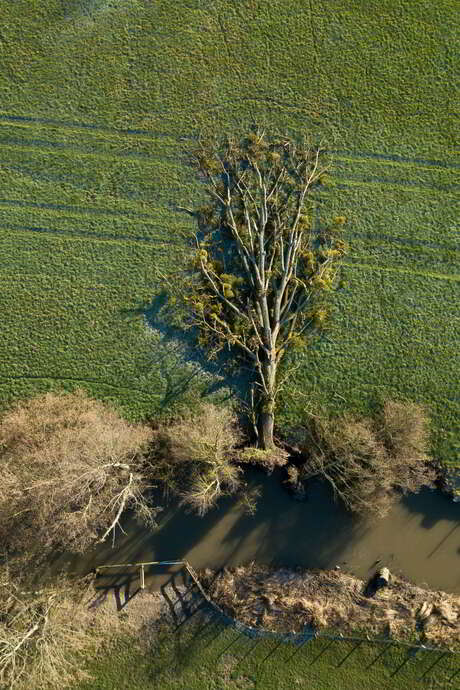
<point>297,639</point>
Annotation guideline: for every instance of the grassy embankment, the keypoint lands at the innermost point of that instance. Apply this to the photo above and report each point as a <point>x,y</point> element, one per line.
<point>211,657</point>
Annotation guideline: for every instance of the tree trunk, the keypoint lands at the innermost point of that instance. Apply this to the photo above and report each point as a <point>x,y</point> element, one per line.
<point>267,410</point>
<point>266,422</point>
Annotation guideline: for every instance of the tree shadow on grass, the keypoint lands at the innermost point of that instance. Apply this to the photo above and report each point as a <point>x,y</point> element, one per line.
<point>183,363</point>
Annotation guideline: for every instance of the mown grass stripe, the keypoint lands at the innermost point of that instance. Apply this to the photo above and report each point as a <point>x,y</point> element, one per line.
<point>76,125</point>
<point>80,234</point>
<point>391,164</point>
<point>379,238</point>
<point>396,269</point>
<point>346,156</point>
<point>44,144</point>
<point>53,149</point>
<point>115,136</point>
<point>78,210</point>
<point>392,159</point>
<point>401,184</point>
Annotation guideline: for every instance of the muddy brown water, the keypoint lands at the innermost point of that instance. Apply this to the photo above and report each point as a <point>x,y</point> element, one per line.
<point>419,538</point>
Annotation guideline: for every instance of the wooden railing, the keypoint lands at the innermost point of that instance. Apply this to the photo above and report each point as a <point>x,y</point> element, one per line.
<point>141,566</point>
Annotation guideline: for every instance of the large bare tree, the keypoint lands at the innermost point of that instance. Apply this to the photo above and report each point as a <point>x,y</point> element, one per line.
<point>264,265</point>
<point>70,468</point>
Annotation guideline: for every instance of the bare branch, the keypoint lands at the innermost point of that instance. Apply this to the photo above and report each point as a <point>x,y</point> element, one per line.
<point>277,267</point>
<point>71,467</point>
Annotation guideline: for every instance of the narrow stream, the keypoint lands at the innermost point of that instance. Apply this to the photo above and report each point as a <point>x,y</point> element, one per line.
<point>419,538</point>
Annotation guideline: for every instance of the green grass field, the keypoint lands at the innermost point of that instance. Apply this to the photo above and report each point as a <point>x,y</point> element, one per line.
<point>98,98</point>
<point>203,656</point>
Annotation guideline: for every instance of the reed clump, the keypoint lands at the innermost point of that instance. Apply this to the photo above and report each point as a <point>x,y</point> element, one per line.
<point>287,600</point>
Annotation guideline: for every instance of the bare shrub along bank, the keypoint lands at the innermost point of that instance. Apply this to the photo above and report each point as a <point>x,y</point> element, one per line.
<point>70,467</point>
<point>197,456</point>
<point>367,461</point>
<point>44,633</point>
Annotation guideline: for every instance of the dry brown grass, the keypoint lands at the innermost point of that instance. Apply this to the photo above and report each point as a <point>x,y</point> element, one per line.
<point>287,600</point>
<point>141,617</point>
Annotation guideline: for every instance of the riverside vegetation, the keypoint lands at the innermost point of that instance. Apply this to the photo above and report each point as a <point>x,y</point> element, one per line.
<point>72,467</point>
<point>282,600</point>
<point>97,100</point>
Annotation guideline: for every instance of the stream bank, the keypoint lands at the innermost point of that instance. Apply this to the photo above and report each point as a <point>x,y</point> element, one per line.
<point>285,600</point>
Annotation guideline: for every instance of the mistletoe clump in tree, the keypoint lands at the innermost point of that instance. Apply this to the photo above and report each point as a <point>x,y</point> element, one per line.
<point>263,270</point>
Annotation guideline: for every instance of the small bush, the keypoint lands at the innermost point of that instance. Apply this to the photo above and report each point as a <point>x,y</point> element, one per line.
<point>199,450</point>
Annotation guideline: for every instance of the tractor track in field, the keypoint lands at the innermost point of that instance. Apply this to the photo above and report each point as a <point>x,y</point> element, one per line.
<point>341,182</point>
<point>52,148</point>
<point>6,380</point>
<point>410,242</point>
<point>374,239</point>
<point>77,182</point>
<point>394,159</point>
<point>80,210</point>
<point>402,185</point>
<point>374,179</point>
<point>340,154</point>
<point>352,263</point>
<point>44,146</point>
<point>102,237</point>
<point>63,124</point>
<point>84,282</point>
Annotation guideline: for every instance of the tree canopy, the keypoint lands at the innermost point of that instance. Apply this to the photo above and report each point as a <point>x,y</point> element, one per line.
<point>265,265</point>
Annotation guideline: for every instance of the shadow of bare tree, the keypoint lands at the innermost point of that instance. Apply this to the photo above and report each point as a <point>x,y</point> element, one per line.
<point>184,365</point>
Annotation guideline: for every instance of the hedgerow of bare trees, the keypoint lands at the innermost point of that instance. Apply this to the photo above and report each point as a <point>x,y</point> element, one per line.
<point>367,461</point>
<point>265,265</point>
<point>199,451</point>
<point>70,467</point>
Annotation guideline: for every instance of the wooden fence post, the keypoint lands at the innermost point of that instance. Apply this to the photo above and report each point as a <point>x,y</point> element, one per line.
<point>142,576</point>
